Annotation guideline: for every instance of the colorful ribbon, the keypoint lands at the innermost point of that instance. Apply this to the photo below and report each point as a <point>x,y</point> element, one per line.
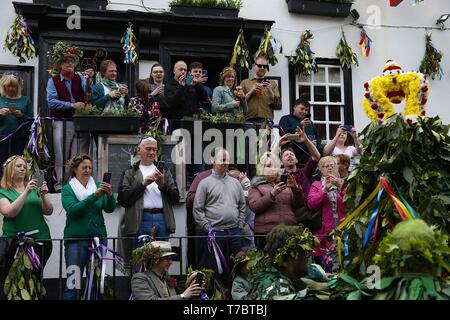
<point>129,47</point>
<point>373,223</point>
<point>36,142</point>
<point>99,252</point>
<point>24,244</point>
<point>9,136</point>
<point>220,259</point>
<point>401,208</point>
<point>365,42</point>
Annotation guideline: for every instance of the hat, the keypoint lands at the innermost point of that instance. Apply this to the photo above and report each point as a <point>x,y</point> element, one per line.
<point>239,260</point>
<point>61,51</point>
<point>391,68</point>
<point>165,247</point>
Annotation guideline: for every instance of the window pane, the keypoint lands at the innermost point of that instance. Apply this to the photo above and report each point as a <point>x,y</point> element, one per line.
<point>320,75</point>
<point>302,78</point>
<point>334,113</point>
<point>319,113</point>
<point>304,92</point>
<point>321,129</point>
<point>335,94</point>
<point>320,93</point>
<point>334,75</point>
<point>333,129</point>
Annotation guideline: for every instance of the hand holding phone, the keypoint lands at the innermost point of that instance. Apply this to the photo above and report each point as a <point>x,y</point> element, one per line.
<point>204,73</point>
<point>107,177</point>
<point>292,137</point>
<point>12,108</point>
<point>160,166</point>
<point>308,116</point>
<point>189,79</point>
<point>39,176</point>
<point>284,178</point>
<point>199,278</point>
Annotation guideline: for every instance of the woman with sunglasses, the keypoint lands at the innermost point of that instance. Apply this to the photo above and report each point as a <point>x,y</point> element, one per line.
<point>15,108</point>
<point>23,205</point>
<point>84,200</point>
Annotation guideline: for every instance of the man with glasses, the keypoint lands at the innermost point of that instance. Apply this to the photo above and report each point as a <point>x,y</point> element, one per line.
<point>65,93</point>
<point>262,95</point>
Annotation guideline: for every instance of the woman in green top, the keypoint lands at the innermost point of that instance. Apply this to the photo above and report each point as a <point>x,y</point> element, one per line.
<point>107,93</point>
<point>84,200</point>
<point>23,205</point>
<point>14,109</point>
<point>227,98</point>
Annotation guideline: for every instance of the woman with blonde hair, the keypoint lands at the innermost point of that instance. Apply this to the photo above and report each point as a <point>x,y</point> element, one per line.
<point>273,198</point>
<point>227,98</point>
<point>14,110</point>
<point>23,205</point>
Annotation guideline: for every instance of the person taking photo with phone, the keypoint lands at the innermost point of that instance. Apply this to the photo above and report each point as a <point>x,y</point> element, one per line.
<point>262,94</point>
<point>84,200</point>
<point>273,200</point>
<point>23,205</point>
<point>341,144</point>
<point>15,108</point>
<point>301,118</point>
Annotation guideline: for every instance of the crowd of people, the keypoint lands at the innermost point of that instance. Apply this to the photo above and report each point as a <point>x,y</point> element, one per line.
<point>233,213</point>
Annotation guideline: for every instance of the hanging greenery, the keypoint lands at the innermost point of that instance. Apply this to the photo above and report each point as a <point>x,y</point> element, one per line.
<point>345,54</point>
<point>241,55</point>
<point>268,47</point>
<point>304,61</point>
<point>19,40</point>
<point>431,62</point>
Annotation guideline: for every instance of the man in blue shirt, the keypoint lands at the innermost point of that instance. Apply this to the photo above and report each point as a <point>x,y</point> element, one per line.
<point>301,118</point>
<point>65,93</point>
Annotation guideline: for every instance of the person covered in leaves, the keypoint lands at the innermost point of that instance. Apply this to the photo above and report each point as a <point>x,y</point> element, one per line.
<point>154,283</point>
<point>281,271</point>
<point>413,260</point>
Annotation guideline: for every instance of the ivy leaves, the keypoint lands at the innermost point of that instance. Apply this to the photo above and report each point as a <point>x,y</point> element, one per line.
<point>241,54</point>
<point>268,47</point>
<point>345,54</point>
<point>431,61</point>
<point>304,61</point>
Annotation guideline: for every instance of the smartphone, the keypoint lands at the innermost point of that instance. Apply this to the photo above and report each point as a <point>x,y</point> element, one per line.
<point>107,177</point>
<point>284,178</point>
<point>39,176</point>
<point>261,80</point>
<point>12,107</point>
<point>204,73</point>
<point>293,137</point>
<point>160,166</point>
<point>189,78</point>
<point>347,128</point>
<point>199,278</point>
<point>308,116</point>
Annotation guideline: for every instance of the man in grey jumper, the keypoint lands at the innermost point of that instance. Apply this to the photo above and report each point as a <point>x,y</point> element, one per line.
<point>219,209</point>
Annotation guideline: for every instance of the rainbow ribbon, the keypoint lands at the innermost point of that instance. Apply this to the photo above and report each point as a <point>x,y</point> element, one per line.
<point>399,205</point>
<point>129,47</point>
<point>373,223</point>
<point>365,42</point>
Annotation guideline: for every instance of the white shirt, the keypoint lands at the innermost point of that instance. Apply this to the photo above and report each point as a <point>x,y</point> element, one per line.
<point>152,195</point>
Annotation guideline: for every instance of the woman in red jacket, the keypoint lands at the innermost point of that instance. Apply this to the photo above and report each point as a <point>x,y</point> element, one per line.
<point>272,201</point>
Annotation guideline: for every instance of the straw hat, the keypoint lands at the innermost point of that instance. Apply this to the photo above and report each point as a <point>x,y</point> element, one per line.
<point>165,247</point>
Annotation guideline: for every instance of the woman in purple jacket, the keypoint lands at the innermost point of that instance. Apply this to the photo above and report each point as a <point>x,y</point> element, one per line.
<point>272,201</point>
<point>328,195</point>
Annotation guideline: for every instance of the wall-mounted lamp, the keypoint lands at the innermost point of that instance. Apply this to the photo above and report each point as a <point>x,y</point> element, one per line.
<point>442,19</point>
<point>355,15</point>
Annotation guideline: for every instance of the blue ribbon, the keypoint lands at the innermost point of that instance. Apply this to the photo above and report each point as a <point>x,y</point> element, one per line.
<point>372,219</point>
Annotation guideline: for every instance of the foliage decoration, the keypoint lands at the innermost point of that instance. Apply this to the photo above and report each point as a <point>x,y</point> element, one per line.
<point>19,40</point>
<point>304,61</point>
<point>225,4</point>
<point>431,61</point>
<point>241,55</point>
<point>36,153</point>
<point>58,51</point>
<point>345,54</point>
<point>268,47</point>
<point>422,152</point>
<point>222,117</point>
<point>303,241</point>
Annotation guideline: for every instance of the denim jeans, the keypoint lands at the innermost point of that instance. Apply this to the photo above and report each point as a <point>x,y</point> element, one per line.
<point>77,254</point>
<point>150,221</point>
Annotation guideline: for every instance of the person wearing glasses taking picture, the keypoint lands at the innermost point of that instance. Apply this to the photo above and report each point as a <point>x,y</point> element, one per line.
<point>261,94</point>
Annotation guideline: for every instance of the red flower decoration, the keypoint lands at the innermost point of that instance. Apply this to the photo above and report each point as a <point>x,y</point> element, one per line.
<point>366,85</point>
<point>374,107</point>
<point>424,100</point>
<point>381,115</point>
<point>367,95</point>
<point>409,120</point>
<point>425,89</point>
<point>423,113</point>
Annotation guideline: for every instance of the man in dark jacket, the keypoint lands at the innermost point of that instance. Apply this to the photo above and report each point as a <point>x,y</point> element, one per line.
<point>147,195</point>
<point>300,117</point>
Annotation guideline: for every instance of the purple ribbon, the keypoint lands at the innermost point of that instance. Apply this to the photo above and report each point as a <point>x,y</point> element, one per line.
<point>33,143</point>
<point>212,243</point>
<point>24,243</point>
<point>9,136</point>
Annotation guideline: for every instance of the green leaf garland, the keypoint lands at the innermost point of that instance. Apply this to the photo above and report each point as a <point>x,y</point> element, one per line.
<point>241,55</point>
<point>268,47</point>
<point>431,61</point>
<point>345,54</point>
<point>19,40</point>
<point>304,61</point>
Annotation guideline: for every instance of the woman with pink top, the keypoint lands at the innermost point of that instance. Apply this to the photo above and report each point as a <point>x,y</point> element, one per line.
<point>328,195</point>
